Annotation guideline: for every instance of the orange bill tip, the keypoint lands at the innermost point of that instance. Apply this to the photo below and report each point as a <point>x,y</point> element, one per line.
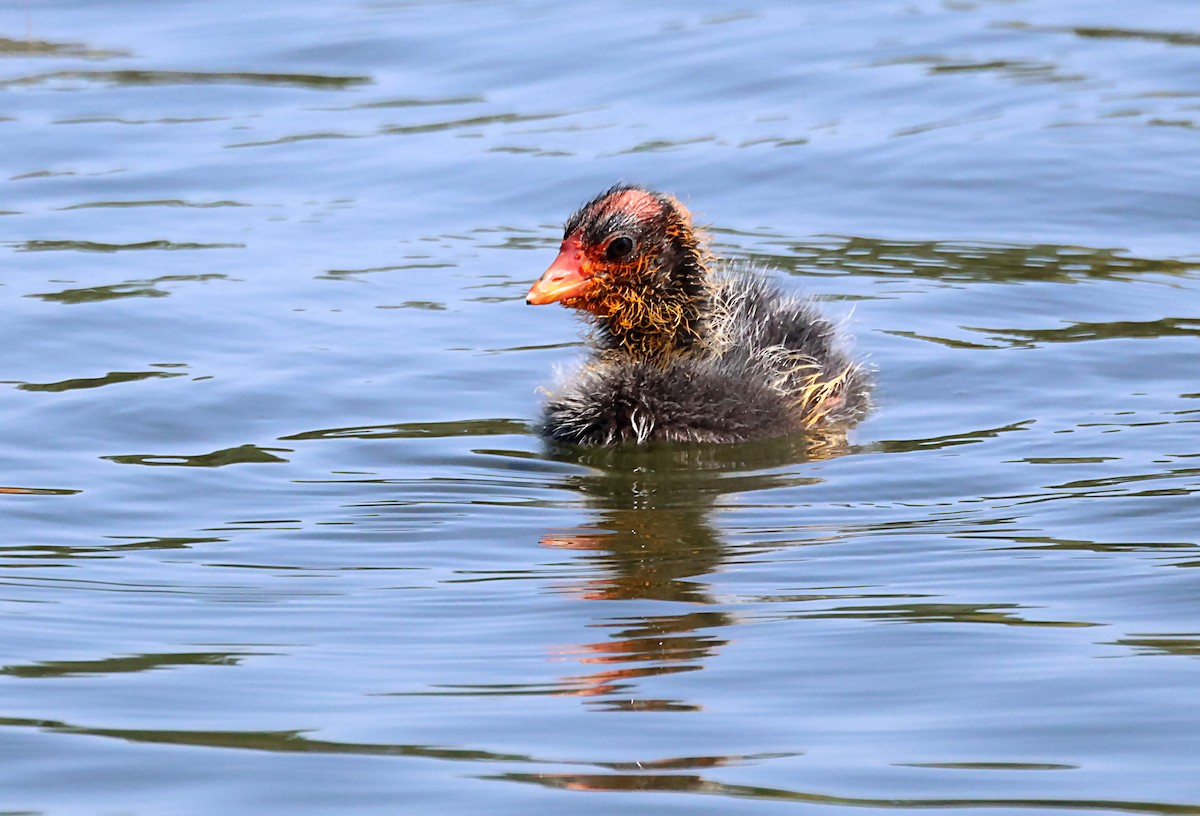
<point>564,279</point>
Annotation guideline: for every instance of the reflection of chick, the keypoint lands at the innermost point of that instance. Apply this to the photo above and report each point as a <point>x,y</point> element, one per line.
<point>651,539</point>
<point>685,350</point>
<point>651,536</point>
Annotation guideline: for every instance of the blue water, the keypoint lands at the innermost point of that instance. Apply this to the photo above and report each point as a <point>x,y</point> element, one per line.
<point>276,535</point>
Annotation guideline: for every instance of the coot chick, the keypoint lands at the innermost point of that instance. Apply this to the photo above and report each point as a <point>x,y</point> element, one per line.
<point>684,347</point>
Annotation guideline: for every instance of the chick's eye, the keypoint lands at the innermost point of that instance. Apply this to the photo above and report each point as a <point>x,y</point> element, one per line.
<point>619,247</point>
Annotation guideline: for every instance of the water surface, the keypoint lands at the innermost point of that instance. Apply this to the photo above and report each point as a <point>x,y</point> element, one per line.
<point>278,536</point>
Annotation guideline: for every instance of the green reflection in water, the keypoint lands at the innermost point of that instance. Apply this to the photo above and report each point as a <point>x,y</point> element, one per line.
<point>667,145</point>
<point>687,783</point>
<point>38,491</point>
<point>49,551</point>
<point>145,78</point>
<point>95,246</point>
<point>111,378</point>
<point>287,742</point>
<point>1170,37</point>
<point>125,665</point>
<point>950,440</point>
<point>241,455</point>
<point>1161,645</point>
<point>412,102</point>
<point>938,613</point>
<point>342,274</point>
<point>121,120</point>
<point>1080,332</point>
<point>290,742</point>
<point>406,130</point>
<point>1016,70</point>
<point>141,288</point>
<point>165,202</point>
<point>1074,333</point>
<point>418,430</point>
<point>296,138</point>
<point>958,261</point>
<point>473,121</point>
<point>45,48</point>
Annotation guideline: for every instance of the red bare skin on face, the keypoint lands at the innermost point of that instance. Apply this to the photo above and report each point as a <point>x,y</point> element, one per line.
<point>637,203</point>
